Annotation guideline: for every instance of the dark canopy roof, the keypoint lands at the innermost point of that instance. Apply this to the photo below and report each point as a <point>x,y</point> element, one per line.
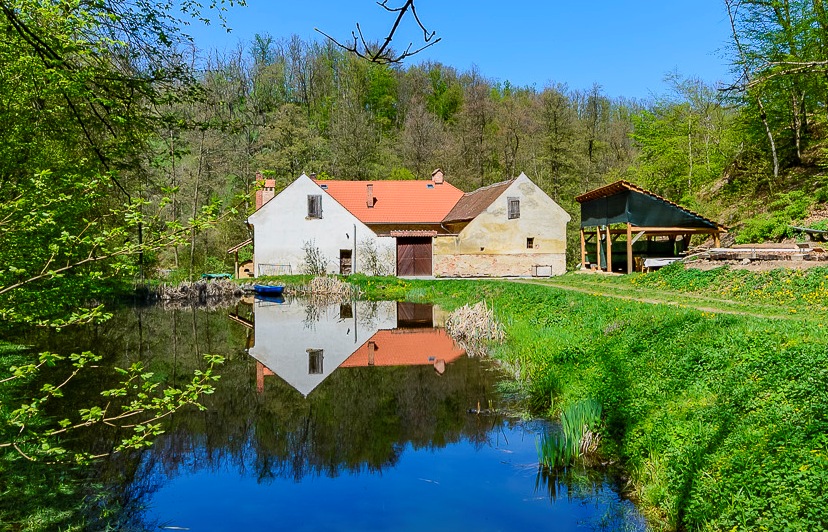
<point>623,202</point>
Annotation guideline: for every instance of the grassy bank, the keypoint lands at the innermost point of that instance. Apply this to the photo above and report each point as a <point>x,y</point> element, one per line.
<point>721,420</point>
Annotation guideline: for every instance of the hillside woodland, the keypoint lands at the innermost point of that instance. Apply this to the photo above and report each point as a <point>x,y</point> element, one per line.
<point>133,133</point>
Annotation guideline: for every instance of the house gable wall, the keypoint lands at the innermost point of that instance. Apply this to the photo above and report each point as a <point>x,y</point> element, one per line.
<point>281,228</point>
<point>494,245</point>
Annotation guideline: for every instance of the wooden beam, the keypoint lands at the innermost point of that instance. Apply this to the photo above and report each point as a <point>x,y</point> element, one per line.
<point>598,246</point>
<point>679,230</point>
<point>665,231</point>
<point>629,248</point>
<point>639,235</point>
<point>583,249</point>
<point>609,251</point>
<point>717,243</point>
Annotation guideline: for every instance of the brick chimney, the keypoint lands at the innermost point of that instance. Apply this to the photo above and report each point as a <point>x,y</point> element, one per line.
<point>370,199</point>
<point>265,190</point>
<point>437,176</point>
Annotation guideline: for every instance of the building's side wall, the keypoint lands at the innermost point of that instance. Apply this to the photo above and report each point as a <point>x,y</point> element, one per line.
<point>492,245</point>
<point>281,228</point>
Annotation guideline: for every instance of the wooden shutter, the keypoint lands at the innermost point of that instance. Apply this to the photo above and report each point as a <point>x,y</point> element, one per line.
<point>514,208</point>
<point>314,206</point>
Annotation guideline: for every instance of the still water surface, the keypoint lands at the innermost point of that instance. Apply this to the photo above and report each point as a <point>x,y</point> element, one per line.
<point>329,416</point>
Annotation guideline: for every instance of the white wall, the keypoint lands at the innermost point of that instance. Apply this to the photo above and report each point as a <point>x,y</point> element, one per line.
<point>285,332</point>
<point>281,228</point>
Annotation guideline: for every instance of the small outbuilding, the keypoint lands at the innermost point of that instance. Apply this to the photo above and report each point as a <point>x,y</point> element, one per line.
<point>655,230</point>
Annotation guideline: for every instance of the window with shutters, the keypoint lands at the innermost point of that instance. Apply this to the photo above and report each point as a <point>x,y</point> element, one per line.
<point>514,208</point>
<point>314,206</point>
<point>315,358</point>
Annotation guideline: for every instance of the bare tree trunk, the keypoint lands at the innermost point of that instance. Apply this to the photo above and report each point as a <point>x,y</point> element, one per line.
<point>690,150</point>
<point>195,202</point>
<point>174,194</point>
<point>729,4</point>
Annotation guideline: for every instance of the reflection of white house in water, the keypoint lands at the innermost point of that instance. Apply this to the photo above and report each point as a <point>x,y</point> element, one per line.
<point>303,344</point>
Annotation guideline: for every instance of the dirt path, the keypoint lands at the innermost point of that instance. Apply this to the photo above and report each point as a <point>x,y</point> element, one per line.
<point>688,300</point>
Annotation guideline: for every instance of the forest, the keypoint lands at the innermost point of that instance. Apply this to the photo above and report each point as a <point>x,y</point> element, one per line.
<point>148,139</point>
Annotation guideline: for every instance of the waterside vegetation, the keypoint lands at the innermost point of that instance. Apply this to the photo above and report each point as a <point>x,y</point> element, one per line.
<point>719,419</point>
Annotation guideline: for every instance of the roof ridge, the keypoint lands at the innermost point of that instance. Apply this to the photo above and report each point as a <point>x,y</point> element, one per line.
<point>499,183</point>
<point>373,180</point>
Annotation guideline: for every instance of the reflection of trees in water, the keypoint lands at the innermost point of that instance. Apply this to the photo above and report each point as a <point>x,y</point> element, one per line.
<point>358,419</point>
<point>594,485</point>
<point>339,428</point>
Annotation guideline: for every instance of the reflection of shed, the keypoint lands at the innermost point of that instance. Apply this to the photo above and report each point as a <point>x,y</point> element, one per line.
<point>623,209</point>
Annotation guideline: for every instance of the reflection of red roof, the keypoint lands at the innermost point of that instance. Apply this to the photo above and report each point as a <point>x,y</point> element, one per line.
<point>395,201</point>
<point>405,347</point>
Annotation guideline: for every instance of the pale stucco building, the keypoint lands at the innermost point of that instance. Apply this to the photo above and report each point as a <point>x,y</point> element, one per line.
<point>416,228</point>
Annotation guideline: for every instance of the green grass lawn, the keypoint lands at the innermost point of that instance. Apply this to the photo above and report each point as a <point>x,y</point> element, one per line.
<point>721,420</point>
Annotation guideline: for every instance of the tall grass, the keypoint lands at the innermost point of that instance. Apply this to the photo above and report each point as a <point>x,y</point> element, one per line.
<point>577,435</point>
<point>721,421</point>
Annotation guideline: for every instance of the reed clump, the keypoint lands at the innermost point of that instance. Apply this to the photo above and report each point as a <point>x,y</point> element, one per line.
<point>198,290</point>
<point>326,288</point>
<point>578,436</point>
<point>474,327</point>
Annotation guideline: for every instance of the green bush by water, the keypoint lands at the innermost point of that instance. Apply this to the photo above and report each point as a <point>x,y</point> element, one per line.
<point>720,421</point>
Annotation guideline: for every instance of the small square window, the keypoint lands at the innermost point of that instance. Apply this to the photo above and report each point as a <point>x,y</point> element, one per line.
<point>323,187</point>
<point>314,206</point>
<point>315,359</point>
<point>514,208</point>
<point>530,243</point>
<point>429,185</point>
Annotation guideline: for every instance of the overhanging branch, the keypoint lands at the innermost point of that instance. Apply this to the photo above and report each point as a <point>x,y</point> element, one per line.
<point>383,54</point>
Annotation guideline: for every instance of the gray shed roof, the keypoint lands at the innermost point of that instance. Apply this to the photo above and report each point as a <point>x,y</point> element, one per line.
<point>622,201</point>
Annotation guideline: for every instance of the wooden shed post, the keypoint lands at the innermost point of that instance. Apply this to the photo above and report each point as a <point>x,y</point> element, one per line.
<point>598,246</point>
<point>583,249</point>
<point>629,249</point>
<point>609,250</point>
<point>717,243</point>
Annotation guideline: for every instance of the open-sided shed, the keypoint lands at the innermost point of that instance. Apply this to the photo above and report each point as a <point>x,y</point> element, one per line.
<point>623,209</point>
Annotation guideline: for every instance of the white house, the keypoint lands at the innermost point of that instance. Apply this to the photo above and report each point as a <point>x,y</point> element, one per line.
<point>415,227</point>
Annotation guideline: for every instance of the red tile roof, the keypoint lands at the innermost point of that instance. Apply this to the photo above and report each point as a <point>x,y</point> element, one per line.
<point>395,202</point>
<point>406,347</point>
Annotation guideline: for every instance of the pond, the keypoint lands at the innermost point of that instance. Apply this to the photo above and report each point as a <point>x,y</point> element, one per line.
<point>336,416</point>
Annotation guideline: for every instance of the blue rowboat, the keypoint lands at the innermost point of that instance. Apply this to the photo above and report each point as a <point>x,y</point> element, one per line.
<point>268,290</point>
<point>279,300</point>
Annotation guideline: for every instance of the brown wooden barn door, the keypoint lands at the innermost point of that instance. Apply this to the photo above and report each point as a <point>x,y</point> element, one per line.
<point>413,256</point>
